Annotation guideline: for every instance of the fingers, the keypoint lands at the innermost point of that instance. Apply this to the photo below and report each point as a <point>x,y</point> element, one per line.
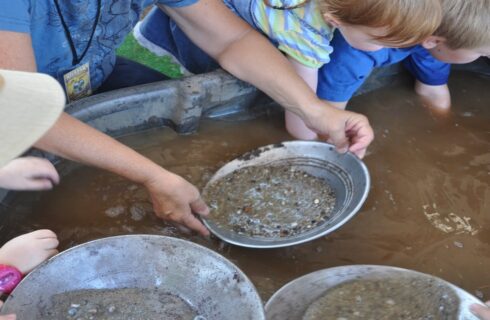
<point>482,312</point>
<point>199,206</point>
<point>50,243</point>
<point>360,133</point>
<point>339,139</point>
<point>52,253</point>
<point>43,234</point>
<point>184,216</point>
<point>46,170</point>
<point>8,317</point>
<point>175,199</point>
<point>47,238</point>
<point>194,224</point>
<point>39,184</point>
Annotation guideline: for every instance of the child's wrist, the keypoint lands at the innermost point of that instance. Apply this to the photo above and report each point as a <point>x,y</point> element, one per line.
<point>9,278</point>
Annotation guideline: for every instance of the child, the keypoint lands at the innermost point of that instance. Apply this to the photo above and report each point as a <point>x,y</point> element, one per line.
<point>38,101</point>
<point>464,36</point>
<point>303,30</point>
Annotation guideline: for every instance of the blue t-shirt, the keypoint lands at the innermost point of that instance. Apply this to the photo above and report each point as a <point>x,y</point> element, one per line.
<point>349,68</point>
<point>52,51</point>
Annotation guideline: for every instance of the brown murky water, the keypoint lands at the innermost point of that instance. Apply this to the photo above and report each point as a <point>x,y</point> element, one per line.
<point>428,208</point>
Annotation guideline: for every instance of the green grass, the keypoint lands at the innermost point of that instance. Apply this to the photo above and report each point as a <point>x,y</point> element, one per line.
<point>131,49</point>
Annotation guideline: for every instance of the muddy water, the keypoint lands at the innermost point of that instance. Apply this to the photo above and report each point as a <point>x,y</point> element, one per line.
<point>428,208</point>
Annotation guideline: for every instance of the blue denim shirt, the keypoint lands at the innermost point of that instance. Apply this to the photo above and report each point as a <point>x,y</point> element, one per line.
<point>40,19</point>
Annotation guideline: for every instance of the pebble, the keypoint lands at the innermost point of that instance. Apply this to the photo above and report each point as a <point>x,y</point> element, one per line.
<point>458,244</point>
<point>479,294</point>
<point>72,311</point>
<point>132,187</point>
<point>316,201</point>
<point>111,309</point>
<point>115,211</point>
<point>137,212</point>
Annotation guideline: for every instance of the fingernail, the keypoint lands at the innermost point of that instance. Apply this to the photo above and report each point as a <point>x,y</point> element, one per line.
<point>343,150</point>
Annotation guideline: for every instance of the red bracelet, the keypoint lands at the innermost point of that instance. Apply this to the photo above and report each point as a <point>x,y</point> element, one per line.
<point>9,278</point>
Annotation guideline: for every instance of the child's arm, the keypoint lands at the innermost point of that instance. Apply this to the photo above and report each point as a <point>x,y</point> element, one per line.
<point>28,173</point>
<point>294,124</point>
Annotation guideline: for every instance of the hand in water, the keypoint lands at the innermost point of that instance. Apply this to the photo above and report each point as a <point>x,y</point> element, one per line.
<point>348,131</point>
<point>482,312</point>
<point>176,200</point>
<point>28,173</point>
<point>27,251</point>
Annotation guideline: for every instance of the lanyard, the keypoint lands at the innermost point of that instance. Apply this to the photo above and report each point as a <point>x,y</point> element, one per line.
<point>76,59</point>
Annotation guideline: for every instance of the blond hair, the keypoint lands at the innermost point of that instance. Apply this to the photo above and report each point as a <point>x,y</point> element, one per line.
<point>407,22</point>
<point>465,23</point>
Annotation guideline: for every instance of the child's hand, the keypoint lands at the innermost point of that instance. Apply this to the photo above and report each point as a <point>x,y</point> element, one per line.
<point>482,312</point>
<point>28,173</point>
<point>27,251</point>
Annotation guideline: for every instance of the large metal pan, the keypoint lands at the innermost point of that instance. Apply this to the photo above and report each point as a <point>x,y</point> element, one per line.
<point>209,282</point>
<point>291,301</point>
<point>345,173</point>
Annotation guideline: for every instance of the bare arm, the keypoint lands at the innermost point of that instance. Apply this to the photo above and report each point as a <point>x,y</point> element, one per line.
<point>173,197</point>
<point>339,105</point>
<point>309,75</point>
<point>249,56</point>
<point>16,52</point>
<point>294,124</point>
<point>243,52</point>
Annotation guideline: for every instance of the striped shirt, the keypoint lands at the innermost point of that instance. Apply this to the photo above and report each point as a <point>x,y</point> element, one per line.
<point>302,33</point>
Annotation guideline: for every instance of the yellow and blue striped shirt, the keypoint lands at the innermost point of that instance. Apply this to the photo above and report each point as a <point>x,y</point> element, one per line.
<point>302,33</point>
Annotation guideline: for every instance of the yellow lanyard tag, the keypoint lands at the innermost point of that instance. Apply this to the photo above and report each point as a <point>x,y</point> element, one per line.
<point>77,83</point>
